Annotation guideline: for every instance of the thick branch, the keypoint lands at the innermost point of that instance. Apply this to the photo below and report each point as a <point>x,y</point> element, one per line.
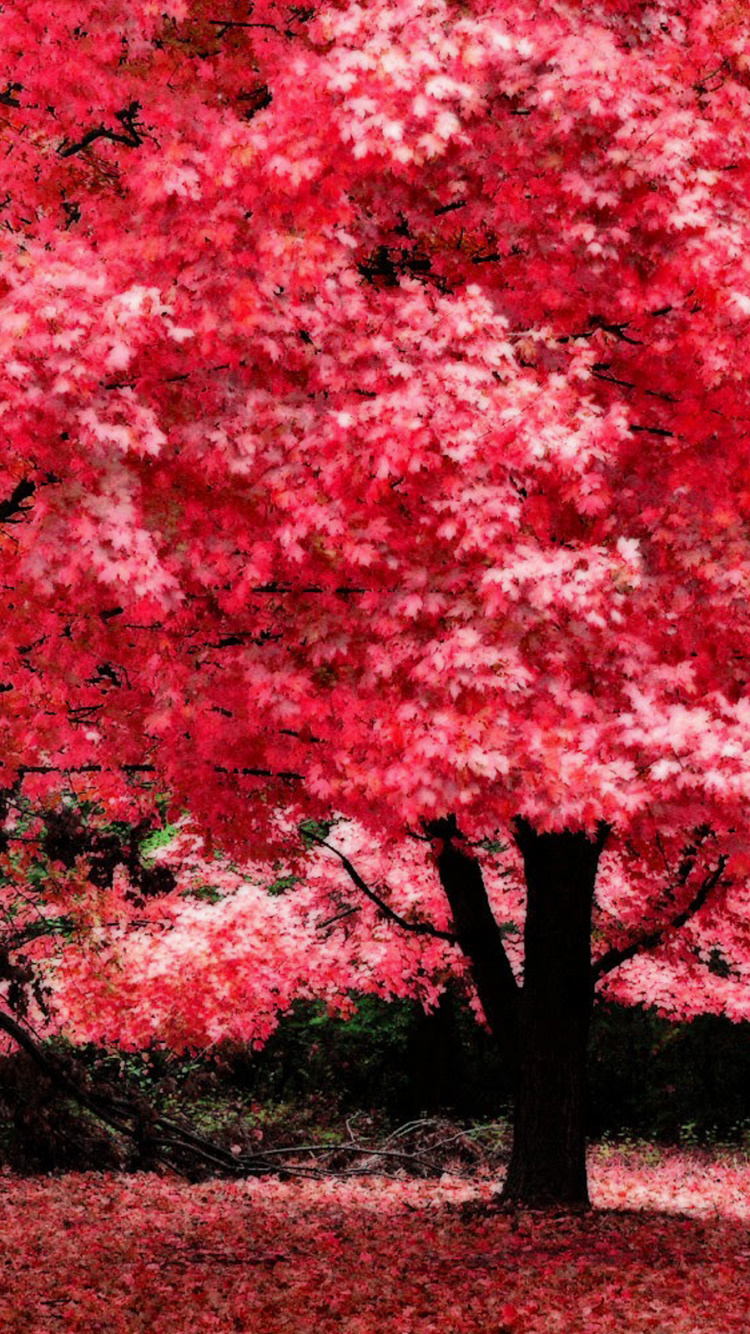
<point>130,137</point>
<point>53,1072</point>
<point>650,940</point>
<point>13,509</point>
<point>479,936</point>
<point>128,1119</point>
<point>419,928</point>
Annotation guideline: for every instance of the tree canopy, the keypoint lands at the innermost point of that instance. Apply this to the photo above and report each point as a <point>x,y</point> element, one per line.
<point>374,404</point>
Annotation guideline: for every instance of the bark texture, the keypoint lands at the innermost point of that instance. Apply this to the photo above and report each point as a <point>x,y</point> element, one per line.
<point>548,1162</point>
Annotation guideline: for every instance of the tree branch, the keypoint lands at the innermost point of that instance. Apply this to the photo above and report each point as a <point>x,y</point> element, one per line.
<point>418,928</point>
<point>129,138</point>
<point>224,25</point>
<point>13,509</point>
<point>287,775</point>
<point>140,1123</point>
<point>479,936</point>
<point>339,917</point>
<point>650,940</point>
<point>8,97</point>
<point>35,930</point>
<point>24,769</point>
<point>25,1041</point>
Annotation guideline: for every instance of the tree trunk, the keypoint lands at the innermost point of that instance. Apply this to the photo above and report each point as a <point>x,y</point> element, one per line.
<point>479,938</point>
<point>548,1161</point>
<point>541,1028</point>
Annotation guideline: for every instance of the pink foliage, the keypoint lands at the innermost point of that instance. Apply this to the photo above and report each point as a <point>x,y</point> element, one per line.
<point>374,406</point>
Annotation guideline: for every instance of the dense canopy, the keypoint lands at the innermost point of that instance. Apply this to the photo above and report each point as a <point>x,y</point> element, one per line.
<point>374,406</point>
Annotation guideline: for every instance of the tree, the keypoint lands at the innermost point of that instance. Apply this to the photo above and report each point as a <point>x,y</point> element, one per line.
<point>375,418</point>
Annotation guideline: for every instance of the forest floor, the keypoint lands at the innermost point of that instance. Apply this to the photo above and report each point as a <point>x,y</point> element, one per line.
<point>666,1250</point>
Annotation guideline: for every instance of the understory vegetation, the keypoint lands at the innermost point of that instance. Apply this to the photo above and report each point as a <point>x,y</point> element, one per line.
<point>345,1088</point>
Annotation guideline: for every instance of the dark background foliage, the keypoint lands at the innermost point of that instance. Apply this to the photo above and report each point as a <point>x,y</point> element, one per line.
<point>647,1076</point>
<point>389,1064</point>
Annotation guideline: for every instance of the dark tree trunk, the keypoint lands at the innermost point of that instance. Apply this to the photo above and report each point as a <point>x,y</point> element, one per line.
<point>548,1161</point>
<point>542,1028</point>
<point>480,938</point>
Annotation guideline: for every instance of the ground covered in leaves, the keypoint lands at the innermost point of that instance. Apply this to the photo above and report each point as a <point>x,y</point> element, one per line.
<point>666,1250</point>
